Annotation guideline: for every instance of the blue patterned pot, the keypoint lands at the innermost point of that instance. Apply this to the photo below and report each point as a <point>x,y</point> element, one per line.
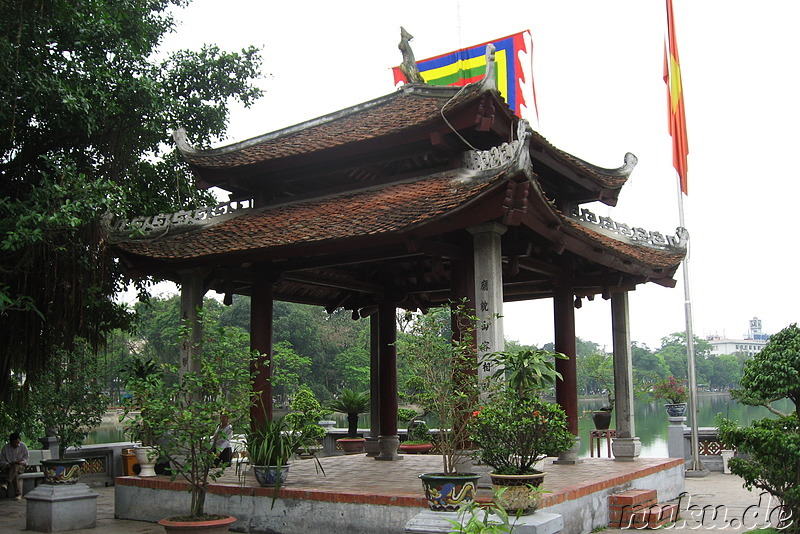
<point>445,493</point>
<point>676,410</point>
<point>62,471</point>
<point>268,475</point>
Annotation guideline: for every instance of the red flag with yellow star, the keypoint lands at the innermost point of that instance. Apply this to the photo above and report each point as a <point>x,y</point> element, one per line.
<point>677,113</point>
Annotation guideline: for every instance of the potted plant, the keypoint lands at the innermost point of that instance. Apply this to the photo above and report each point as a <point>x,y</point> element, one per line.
<point>675,393</point>
<point>271,444</point>
<point>70,403</point>
<point>352,403</point>
<point>305,417</point>
<point>516,428</point>
<point>602,375</point>
<point>445,384</point>
<point>182,412</point>
<point>419,438</point>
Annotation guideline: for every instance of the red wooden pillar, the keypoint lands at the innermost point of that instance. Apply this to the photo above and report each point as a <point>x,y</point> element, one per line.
<point>567,388</point>
<point>387,382</point>
<point>261,341</point>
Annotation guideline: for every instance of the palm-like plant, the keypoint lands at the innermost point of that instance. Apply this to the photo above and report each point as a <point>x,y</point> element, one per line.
<point>352,403</point>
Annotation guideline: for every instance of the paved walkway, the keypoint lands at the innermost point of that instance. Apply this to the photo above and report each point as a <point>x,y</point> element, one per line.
<point>737,510</point>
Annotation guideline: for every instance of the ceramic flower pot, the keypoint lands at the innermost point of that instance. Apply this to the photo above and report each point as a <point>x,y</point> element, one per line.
<point>445,493</point>
<point>415,448</point>
<point>146,456</point>
<point>212,526</point>
<point>602,419</point>
<point>676,410</point>
<point>268,475</point>
<point>351,445</point>
<point>62,470</point>
<point>520,495</point>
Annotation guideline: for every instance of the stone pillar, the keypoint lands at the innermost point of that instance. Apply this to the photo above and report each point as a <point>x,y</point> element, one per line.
<point>60,507</point>
<point>192,292</point>
<point>488,257</point>
<point>677,444</point>
<point>388,440</point>
<point>261,341</point>
<point>567,387</point>
<point>626,445</point>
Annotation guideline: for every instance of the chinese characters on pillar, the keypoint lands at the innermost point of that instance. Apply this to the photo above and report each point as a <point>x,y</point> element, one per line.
<point>485,330</point>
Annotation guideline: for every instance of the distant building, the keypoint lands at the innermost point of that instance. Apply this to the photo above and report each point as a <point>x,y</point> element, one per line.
<point>751,345</point>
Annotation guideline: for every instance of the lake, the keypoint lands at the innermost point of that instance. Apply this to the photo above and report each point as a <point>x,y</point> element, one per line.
<point>651,421</point>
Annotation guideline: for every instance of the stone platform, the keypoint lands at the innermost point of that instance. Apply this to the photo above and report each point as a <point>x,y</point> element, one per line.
<point>360,495</point>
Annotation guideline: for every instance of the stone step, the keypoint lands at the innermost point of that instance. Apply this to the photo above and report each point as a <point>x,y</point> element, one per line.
<point>639,509</point>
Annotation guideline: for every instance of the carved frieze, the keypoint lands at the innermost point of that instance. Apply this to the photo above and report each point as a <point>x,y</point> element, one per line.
<point>634,234</point>
<point>180,220</point>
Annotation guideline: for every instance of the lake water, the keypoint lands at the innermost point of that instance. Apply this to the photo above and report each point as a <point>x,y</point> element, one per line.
<point>650,417</point>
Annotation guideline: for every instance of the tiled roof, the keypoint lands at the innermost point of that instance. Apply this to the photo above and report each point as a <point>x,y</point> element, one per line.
<point>392,208</point>
<point>410,106</point>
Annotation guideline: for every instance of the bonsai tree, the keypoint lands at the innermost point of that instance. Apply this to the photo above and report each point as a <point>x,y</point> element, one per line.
<point>352,403</point>
<point>69,397</point>
<point>418,433</point>
<point>305,416</point>
<point>772,444</point>
<point>671,390</point>
<point>444,381</point>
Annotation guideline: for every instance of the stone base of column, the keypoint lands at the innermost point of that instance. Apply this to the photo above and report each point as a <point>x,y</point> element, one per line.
<point>387,445</point>
<point>626,449</point>
<point>371,447</point>
<point>677,445</point>
<point>570,456</point>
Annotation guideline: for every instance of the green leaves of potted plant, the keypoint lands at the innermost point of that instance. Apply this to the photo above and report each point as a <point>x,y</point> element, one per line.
<point>675,393</point>
<point>446,385</point>
<point>516,428</point>
<point>419,438</point>
<point>352,403</point>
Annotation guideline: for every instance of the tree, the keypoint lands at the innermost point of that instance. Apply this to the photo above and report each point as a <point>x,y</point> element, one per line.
<point>85,118</point>
<point>772,445</point>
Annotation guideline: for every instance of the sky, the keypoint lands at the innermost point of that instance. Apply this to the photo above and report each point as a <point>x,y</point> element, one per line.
<point>597,69</point>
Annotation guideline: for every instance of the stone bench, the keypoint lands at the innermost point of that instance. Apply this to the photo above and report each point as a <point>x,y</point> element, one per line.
<point>33,475</point>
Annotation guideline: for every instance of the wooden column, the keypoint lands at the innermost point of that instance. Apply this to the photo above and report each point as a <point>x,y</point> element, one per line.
<point>388,440</point>
<point>261,341</point>
<point>567,387</point>
<point>374,377</point>
<point>192,292</point>
<point>626,445</point>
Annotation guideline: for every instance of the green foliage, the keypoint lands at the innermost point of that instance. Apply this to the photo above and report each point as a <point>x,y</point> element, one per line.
<point>774,373</point>
<point>418,433</point>
<point>68,395</point>
<point>306,413</point>
<point>671,390</point>
<point>445,383</point>
<point>482,518</point>
<point>406,414</point>
<point>352,403</point>
<point>86,110</point>
<point>527,371</point>
<point>514,432</point>
<point>772,447</point>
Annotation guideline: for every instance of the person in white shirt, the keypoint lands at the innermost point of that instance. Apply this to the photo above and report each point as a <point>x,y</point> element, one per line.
<point>13,462</point>
<point>222,441</point>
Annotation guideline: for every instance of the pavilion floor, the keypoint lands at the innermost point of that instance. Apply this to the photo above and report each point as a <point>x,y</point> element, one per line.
<point>358,479</point>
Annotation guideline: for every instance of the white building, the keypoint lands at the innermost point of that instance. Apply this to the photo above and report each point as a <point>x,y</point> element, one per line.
<point>751,345</point>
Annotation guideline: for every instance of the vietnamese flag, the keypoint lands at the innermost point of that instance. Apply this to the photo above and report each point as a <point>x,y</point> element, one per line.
<point>677,113</point>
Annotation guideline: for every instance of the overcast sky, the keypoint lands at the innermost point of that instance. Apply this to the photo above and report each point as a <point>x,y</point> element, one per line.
<point>597,68</point>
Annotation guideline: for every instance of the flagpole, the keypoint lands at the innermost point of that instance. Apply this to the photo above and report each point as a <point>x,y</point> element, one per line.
<point>695,468</point>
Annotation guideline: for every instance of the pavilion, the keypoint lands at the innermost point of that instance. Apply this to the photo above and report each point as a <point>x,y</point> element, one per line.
<point>424,196</point>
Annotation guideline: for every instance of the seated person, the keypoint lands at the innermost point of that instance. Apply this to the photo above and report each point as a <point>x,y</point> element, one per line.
<point>222,442</point>
<point>13,462</point>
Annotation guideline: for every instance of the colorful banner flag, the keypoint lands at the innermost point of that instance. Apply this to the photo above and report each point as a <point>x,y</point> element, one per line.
<point>469,65</point>
<point>677,113</point>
